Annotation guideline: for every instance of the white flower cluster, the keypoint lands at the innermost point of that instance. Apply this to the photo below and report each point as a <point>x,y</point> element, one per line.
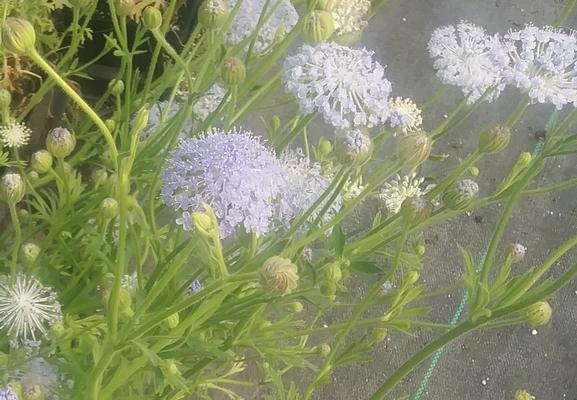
<point>350,16</point>
<point>399,189</point>
<point>280,16</point>
<point>344,85</point>
<point>15,135</point>
<point>540,61</point>
<point>405,115</point>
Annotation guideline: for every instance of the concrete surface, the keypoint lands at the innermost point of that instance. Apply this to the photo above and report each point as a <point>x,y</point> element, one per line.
<point>486,365</point>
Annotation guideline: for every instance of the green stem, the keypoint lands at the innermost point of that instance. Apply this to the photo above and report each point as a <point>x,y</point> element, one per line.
<point>37,58</point>
<point>518,112</point>
<point>550,189</point>
<point>17,237</point>
<point>566,12</point>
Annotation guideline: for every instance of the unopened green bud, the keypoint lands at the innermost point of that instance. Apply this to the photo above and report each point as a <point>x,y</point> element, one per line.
<point>295,307</point>
<point>494,139</point>
<point>354,147</point>
<point>380,334</point>
<point>125,302</point>
<point>110,124</point>
<point>334,273</point>
<point>474,171</point>
<point>212,14</point>
<point>116,87</point>
<point>172,321</point>
<point>233,71</point>
<point>323,349</point>
<point>279,275</point>
<point>415,210</point>
<point>109,208</point>
<point>414,149</point>
<point>99,177</point>
<point>460,195</point>
<point>33,175</point>
<point>539,314</point>
<point>18,36</point>
<point>524,159</point>
<point>171,369</point>
<point>29,252</point>
<point>141,120</point>
<point>202,223</point>
<point>412,277</point>
<point>32,392</point>
<point>152,18</point>
<point>325,147</point>
<point>124,8</point>
<point>41,161</point>
<point>318,26</point>
<point>12,188</point>
<point>60,142</point>
<point>523,395</point>
<point>5,99</point>
<point>58,330</point>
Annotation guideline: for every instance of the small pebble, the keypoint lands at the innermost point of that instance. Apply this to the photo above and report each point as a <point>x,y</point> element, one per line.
<point>534,332</point>
<point>404,19</point>
<point>484,382</point>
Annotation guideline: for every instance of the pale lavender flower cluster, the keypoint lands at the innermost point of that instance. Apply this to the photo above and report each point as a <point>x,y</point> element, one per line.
<point>346,86</point>
<point>466,56</point>
<point>233,172</point>
<point>543,63</point>
<point>243,181</point>
<point>280,18</point>
<point>8,393</point>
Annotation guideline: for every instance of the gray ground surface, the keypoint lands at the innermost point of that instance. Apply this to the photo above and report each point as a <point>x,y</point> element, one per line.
<point>488,365</point>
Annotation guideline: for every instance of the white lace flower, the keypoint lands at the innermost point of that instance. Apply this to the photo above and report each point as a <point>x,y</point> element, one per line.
<point>27,308</point>
<point>543,63</point>
<point>350,15</point>
<point>352,189</point>
<point>399,189</point>
<point>466,56</point>
<point>405,115</point>
<point>209,102</point>
<point>8,393</point>
<point>15,135</point>
<point>344,85</point>
<point>281,17</point>
<point>130,282</point>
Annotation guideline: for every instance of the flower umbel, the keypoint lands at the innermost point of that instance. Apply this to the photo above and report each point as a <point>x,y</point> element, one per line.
<point>399,189</point>
<point>231,171</point>
<point>15,135</point>
<point>405,115</point>
<point>350,16</point>
<point>466,56</point>
<point>543,63</point>
<point>8,393</point>
<point>344,85</point>
<point>27,308</point>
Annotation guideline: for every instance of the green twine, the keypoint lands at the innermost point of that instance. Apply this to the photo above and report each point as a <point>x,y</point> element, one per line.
<point>459,311</point>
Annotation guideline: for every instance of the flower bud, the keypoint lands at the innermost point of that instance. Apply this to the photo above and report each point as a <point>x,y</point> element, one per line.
<point>212,14</point>
<point>171,369</point>
<point>125,302</point>
<point>318,26</point>
<point>41,161</point>
<point>380,334</point>
<point>33,175</point>
<point>460,195</point>
<point>295,307</point>
<point>539,314</point>
<point>411,278</point>
<point>152,18</point>
<point>233,71</point>
<point>29,253</point>
<point>140,121</point>
<point>474,171</point>
<point>60,142</point>
<point>116,87</point>
<point>323,349</point>
<point>32,392</point>
<point>325,147</point>
<point>414,149</point>
<point>415,210</point>
<point>279,275</point>
<point>18,36</point>
<point>109,208</point>
<point>12,188</point>
<point>202,223</point>
<point>124,8</point>
<point>354,147</point>
<point>494,139</point>
<point>110,124</point>
<point>5,99</point>
<point>517,252</point>
<point>524,159</point>
<point>58,330</point>
<point>334,273</point>
<point>99,177</point>
<point>172,321</point>
<point>523,395</point>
